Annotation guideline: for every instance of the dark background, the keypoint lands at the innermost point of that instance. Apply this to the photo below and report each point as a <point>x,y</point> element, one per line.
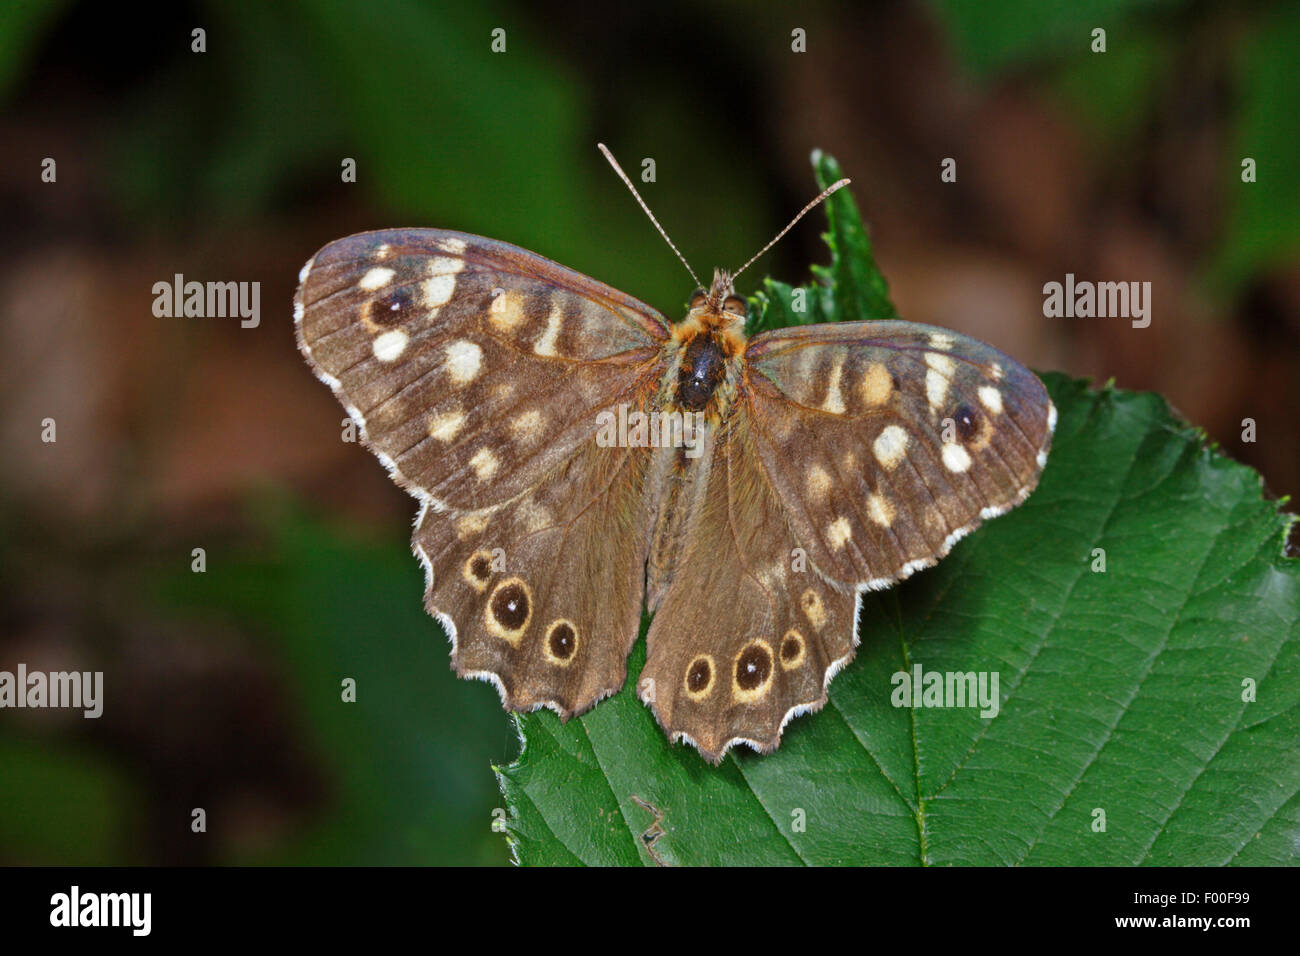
<point>222,688</point>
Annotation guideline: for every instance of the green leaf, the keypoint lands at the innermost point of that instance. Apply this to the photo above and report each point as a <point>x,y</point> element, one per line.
<point>1163,691</point>
<point>860,291</point>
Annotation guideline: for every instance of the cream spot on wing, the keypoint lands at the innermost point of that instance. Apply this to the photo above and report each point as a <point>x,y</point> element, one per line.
<point>446,426</point>
<point>839,532</point>
<point>890,446</point>
<point>805,370</point>
<point>880,510</point>
<point>453,246</point>
<point>464,361</point>
<point>1051,418</point>
<point>545,344</point>
<point>381,250</point>
<point>876,385</point>
<point>471,524</point>
<point>834,399</point>
<point>485,463</point>
<point>813,608</point>
<point>534,516</point>
<point>444,265</point>
<point>991,399</point>
<point>528,425</point>
<point>936,389</point>
<point>941,341</point>
<point>297,312</point>
<point>940,363</point>
<point>955,458</point>
<point>937,378</point>
<point>819,483</point>
<point>437,291</point>
<point>376,278</point>
<point>389,346</point>
<point>305,270</point>
<point>506,312</point>
<point>995,372</point>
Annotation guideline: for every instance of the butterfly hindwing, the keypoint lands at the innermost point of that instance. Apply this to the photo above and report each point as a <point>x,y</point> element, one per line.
<point>476,371</point>
<point>542,595</point>
<point>889,441</point>
<point>747,635</point>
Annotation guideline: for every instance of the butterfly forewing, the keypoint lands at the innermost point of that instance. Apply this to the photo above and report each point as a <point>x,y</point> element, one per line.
<point>888,441</point>
<point>476,372</point>
<point>473,367</point>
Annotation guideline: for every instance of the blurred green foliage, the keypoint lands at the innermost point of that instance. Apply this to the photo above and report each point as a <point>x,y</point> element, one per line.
<point>22,25</point>
<point>999,35</point>
<point>408,760</point>
<point>445,133</point>
<point>1264,223</point>
<point>1147,43</point>
<point>64,803</point>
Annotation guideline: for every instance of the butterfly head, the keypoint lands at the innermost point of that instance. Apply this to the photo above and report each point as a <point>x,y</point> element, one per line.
<point>719,305</point>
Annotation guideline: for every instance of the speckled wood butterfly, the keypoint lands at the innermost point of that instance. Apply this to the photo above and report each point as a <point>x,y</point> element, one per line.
<point>516,399</point>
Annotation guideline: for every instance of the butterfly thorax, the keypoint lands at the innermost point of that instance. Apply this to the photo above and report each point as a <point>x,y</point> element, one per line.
<point>707,345</point>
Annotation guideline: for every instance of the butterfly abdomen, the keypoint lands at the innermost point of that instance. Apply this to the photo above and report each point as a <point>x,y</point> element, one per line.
<point>681,483</point>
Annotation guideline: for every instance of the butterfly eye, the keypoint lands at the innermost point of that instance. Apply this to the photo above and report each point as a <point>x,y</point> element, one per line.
<point>735,305</point>
<point>699,298</point>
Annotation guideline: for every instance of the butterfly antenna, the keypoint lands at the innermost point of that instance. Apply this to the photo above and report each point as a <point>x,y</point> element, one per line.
<point>622,175</point>
<point>825,194</point>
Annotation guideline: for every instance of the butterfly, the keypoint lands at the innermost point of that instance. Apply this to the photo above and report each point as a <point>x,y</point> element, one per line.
<point>791,473</point>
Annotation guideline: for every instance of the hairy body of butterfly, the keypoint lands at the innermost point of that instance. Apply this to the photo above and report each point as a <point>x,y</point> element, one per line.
<point>835,459</point>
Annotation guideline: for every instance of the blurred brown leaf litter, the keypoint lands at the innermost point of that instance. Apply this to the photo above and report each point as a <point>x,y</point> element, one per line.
<point>177,433</point>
